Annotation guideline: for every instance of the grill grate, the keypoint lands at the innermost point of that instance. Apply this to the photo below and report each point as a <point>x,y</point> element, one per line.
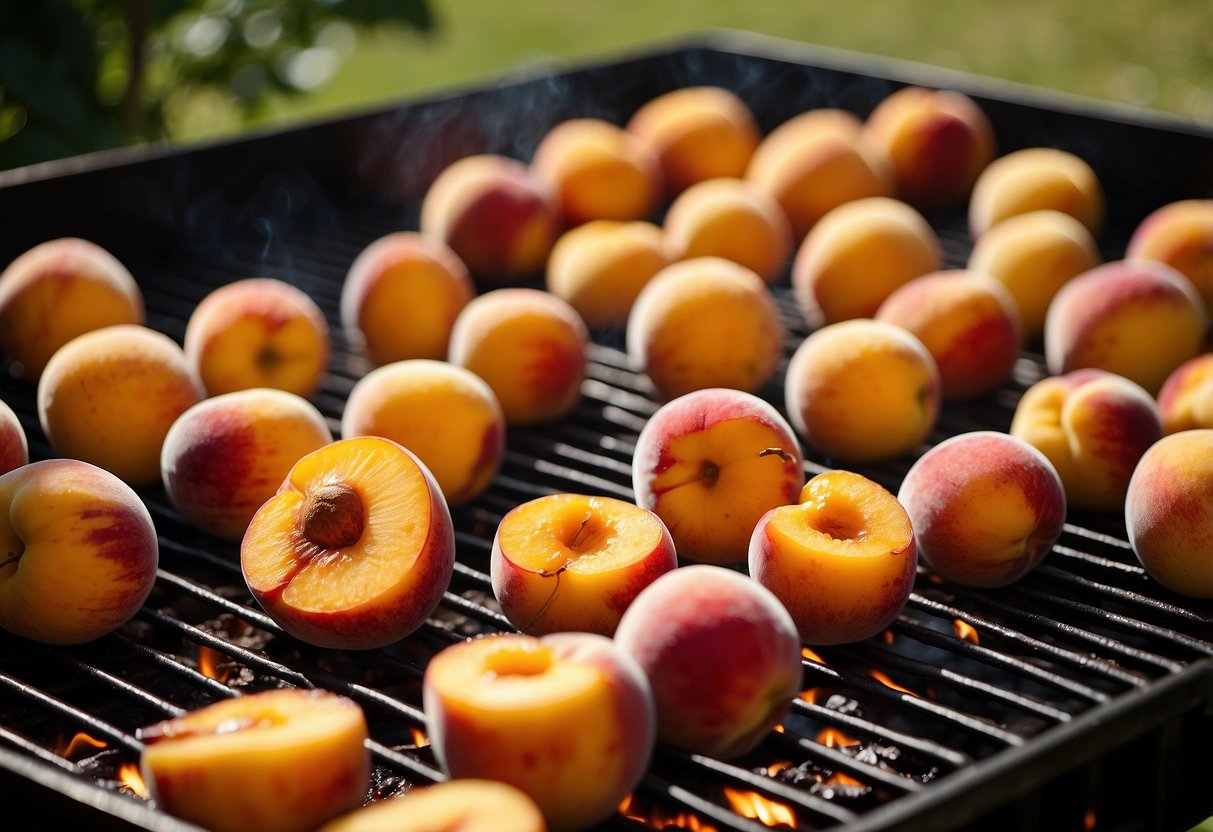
<point>1076,698</point>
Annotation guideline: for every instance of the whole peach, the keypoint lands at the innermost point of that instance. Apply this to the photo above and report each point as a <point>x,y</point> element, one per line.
<point>226,455</point>
<point>1135,318</point>
<point>722,656</point>
<point>1168,512</point>
<point>1179,234</point>
<point>1093,426</point>
<point>862,390</point>
<point>1185,400</point>
<point>986,507</point>
<point>58,290</point>
<point>401,296</point>
<point>967,321</point>
<point>1034,179</point>
<point>14,448</point>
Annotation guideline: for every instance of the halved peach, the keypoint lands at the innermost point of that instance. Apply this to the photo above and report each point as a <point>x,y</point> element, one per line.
<point>280,760</point>
<point>467,805</point>
<point>356,548</point>
<point>575,561</point>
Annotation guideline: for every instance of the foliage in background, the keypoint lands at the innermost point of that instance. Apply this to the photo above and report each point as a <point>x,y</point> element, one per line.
<point>84,75</point>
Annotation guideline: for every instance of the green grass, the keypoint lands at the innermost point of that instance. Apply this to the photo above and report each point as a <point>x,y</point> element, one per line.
<point>1152,53</point>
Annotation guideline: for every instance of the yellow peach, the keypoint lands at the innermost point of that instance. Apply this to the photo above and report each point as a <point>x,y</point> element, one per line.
<point>14,447</point>
<point>1179,234</point>
<point>600,267</point>
<point>1034,179</point>
<point>1185,401</point>
<point>466,805</point>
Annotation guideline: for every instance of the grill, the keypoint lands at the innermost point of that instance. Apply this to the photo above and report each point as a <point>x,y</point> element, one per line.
<point>1079,698</point>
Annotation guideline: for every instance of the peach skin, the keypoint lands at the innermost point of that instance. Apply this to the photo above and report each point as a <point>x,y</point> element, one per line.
<point>567,718</point>
<point>1033,255</point>
<point>445,414</point>
<point>842,560</point>
<point>857,254</point>
<point>467,805</point>
<point>1185,400</point>
<point>279,760</point>
<point>226,455</point>
<point>698,133</point>
<point>967,321</point>
<point>1093,426</point>
<point>79,552</point>
<point>600,267</point>
<point>862,390</point>
<point>598,171</point>
<point>258,332</point>
<point>529,346</point>
<point>986,507</point>
<point>401,296</point>
<point>1034,179</point>
<point>1168,515</point>
<point>14,448</point>
<point>57,290</point>
<point>87,391</point>
<point>355,549</point>
<point>1136,318</point>
<point>710,464</point>
<point>816,161</point>
<point>1179,234</point>
<point>705,322</point>
<point>721,654</point>
<point>575,562</point>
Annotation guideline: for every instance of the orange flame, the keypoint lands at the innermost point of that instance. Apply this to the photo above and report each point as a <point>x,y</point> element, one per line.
<point>889,683</point>
<point>809,696</point>
<point>130,778</point>
<point>753,805</point>
<point>775,768</point>
<point>811,656</point>
<point>1088,821</point>
<point>420,740</point>
<point>840,779</point>
<point>209,664</point>
<point>77,746</point>
<point>965,630</point>
<point>888,636</point>
<point>660,820</point>
<point>833,738</point>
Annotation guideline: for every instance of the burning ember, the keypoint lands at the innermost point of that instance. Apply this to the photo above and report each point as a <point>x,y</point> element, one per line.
<point>966,631</point>
<point>811,656</point>
<point>889,683</point>
<point>833,738</point>
<point>1088,821</point>
<point>420,740</point>
<point>210,664</point>
<point>753,805</point>
<point>130,779</point>
<point>809,696</point>
<point>843,781</point>
<point>660,820</point>
<point>775,768</point>
<point>78,746</point>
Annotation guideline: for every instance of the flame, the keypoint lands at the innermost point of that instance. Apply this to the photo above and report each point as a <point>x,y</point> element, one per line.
<point>888,636</point>
<point>775,768</point>
<point>77,746</point>
<point>889,683</point>
<point>130,778</point>
<point>753,805</point>
<point>840,779</point>
<point>779,729</point>
<point>809,696</point>
<point>811,656</point>
<point>965,630</point>
<point>420,740</point>
<point>209,664</point>
<point>1088,821</point>
<point>833,738</point>
<point>659,820</point>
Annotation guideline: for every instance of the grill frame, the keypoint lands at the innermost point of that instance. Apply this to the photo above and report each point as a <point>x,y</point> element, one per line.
<point>231,194</point>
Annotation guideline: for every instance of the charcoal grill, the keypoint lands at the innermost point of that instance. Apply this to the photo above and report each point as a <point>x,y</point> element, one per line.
<point>1078,698</point>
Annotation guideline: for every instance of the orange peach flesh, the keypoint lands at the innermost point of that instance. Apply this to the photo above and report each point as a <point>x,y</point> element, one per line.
<point>466,805</point>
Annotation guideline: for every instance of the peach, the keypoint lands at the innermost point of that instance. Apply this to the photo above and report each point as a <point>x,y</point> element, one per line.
<point>1168,513</point>
<point>401,296</point>
<point>1135,318</point>
<point>600,267</point>
<point>857,254</point>
<point>567,718</point>
<point>698,133</point>
<point>862,390</point>
<point>1185,400</point>
<point>967,321</point>
<point>1179,234</point>
<point>14,448</point>
<point>938,142</point>
<point>467,805</point>
<point>705,322</point>
<point>710,464</point>
<point>598,171</point>
<point>258,332</point>
<point>1034,179</point>
<point>529,346</point>
<point>729,218</point>
<point>495,214</point>
<point>574,562</point>
<point>280,760</point>
<point>1093,426</point>
<point>226,455</point>
<point>816,161</point>
<point>1033,255</point>
<point>110,396</point>
<point>722,656</point>
<point>80,552</point>
<point>842,560</point>
<point>446,415</point>
<point>355,549</point>
<point>57,290</point>
<point>986,507</point>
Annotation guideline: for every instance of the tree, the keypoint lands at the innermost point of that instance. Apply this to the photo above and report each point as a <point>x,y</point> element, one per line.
<point>84,75</point>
